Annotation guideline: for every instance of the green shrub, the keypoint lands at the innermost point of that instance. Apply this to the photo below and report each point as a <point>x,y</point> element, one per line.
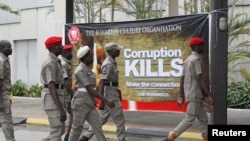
<point>35,91</point>
<point>238,95</point>
<point>19,88</point>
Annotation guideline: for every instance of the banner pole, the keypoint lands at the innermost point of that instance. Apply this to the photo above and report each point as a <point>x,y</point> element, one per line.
<point>219,46</point>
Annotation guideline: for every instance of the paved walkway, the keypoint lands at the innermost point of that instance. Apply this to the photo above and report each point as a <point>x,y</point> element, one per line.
<point>144,123</point>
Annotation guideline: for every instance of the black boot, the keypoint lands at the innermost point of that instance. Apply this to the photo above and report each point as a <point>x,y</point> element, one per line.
<point>66,137</point>
<point>83,138</point>
<point>166,139</point>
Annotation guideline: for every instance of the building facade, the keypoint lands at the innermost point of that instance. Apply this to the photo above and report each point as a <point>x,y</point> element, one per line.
<point>39,19</point>
<point>27,33</point>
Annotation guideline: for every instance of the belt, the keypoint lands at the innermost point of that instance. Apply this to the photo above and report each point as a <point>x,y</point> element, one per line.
<point>111,84</point>
<point>81,89</point>
<point>58,86</point>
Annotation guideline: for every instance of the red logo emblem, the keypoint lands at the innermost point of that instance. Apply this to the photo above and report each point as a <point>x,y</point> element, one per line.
<point>74,35</point>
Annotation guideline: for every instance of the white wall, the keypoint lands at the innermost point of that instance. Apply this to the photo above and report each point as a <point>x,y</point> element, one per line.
<point>36,24</point>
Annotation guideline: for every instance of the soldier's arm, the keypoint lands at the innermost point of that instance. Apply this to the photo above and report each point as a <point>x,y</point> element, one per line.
<point>182,87</point>
<point>68,86</point>
<point>1,96</point>
<point>100,96</point>
<point>1,85</point>
<point>201,80</point>
<point>66,81</point>
<point>206,89</point>
<point>55,97</point>
<point>181,97</point>
<point>101,91</point>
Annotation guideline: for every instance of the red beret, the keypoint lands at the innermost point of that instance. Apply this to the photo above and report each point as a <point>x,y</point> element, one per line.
<point>196,41</point>
<point>53,41</point>
<point>67,47</point>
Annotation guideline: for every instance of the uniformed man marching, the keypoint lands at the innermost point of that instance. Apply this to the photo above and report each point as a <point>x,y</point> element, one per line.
<point>65,58</point>
<point>5,90</point>
<point>109,88</point>
<point>83,102</point>
<point>191,85</point>
<point>53,93</point>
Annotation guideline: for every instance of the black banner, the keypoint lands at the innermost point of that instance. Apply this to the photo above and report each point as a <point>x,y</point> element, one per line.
<point>150,63</point>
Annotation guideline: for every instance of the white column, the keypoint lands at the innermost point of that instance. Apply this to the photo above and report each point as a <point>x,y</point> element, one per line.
<point>173,8</point>
<point>59,15</point>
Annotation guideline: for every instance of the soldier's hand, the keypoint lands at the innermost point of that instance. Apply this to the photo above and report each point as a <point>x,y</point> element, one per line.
<point>120,94</point>
<point>2,110</point>
<point>63,116</point>
<point>110,104</point>
<point>211,100</point>
<point>180,101</point>
<point>102,105</point>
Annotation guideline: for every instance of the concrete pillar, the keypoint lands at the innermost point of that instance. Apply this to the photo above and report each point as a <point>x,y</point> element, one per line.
<point>59,15</point>
<point>173,8</point>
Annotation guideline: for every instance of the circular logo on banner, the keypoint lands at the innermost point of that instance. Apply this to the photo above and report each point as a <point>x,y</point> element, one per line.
<point>74,35</point>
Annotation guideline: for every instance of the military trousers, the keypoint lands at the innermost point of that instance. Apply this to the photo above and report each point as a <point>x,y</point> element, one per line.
<point>67,106</point>
<point>194,110</point>
<point>117,115</point>
<point>90,114</point>
<point>6,121</point>
<point>57,127</point>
